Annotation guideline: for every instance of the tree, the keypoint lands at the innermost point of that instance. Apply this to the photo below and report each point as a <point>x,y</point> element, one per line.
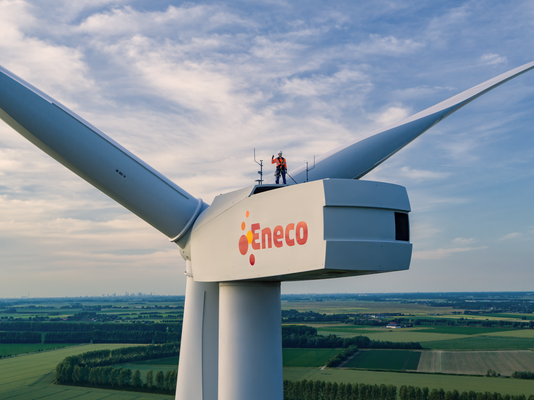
<point>392,392</point>
<point>403,393</point>
<point>136,379</point>
<point>356,392</point>
<point>150,379</point>
<point>77,374</point>
<point>125,377</point>
<point>114,376</point>
<point>419,394</point>
<point>93,378</point>
<point>341,394</point>
<point>384,393</point>
<point>160,380</point>
<point>168,380</point>
<point>327,390</point>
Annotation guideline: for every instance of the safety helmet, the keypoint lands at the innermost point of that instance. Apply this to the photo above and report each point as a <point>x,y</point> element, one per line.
<point>280,152</point>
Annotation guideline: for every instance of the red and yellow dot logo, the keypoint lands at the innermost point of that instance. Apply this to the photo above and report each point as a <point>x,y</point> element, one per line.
<point>264,238</point>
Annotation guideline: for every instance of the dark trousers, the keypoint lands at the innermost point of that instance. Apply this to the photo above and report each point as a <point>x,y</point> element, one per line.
<point>283,173</point>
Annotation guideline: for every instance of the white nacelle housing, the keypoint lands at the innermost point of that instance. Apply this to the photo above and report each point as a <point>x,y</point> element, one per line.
<point>316,230</point>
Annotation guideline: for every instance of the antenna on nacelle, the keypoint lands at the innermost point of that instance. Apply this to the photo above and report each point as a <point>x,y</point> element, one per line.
<point>309,169</point>
<point>260,181</point>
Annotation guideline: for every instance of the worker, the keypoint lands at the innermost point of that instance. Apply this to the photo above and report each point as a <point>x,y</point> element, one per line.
<point>281,167</point>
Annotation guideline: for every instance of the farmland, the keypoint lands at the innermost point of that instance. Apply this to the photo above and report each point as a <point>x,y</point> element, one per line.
<point>22,377</point>
<point>432,381</point>
<point>476,362</point>
<point>458,338</point>
<point>308,357</point>
<point>399,360</point>
<point>17,348</point>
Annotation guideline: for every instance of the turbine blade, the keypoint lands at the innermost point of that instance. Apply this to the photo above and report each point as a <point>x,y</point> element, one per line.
<point>357,158</point>
<point>95,157</point>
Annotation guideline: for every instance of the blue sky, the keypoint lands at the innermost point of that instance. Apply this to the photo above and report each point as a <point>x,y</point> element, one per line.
<point>192,87</point>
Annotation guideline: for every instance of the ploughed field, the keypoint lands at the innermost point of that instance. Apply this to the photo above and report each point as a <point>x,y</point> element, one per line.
<point>476,362</point>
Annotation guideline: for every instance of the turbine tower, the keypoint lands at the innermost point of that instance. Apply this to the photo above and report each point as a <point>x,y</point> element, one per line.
<point>237,251</point>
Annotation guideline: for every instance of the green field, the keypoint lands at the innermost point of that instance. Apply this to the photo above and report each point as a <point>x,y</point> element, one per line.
<point>385,360</point>
<point>464,330</point>
<point>432,381</point>
<point>476,362</point>
<point>519,333</point>
<point>518,316</point>
<point>308,357</point>
<point>31,376</point>
<point>481,343</point>
<point>23,348</point>
<point>405,335</point>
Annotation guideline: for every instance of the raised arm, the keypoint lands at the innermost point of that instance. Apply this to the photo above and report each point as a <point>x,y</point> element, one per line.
<point>95,157</point>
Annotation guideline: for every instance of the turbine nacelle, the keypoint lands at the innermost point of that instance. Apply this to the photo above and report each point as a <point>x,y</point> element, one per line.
<point>316,230</point>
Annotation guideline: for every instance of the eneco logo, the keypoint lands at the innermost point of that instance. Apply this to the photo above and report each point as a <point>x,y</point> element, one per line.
<point>278,236</point>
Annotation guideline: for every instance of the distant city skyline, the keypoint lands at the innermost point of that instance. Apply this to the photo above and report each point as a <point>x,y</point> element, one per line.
<point>192,88</point>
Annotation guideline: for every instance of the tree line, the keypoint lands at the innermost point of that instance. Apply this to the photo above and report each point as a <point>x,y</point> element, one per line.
<point>337,360</point>
<point>94,368</point>
<point>320,390</point>
<point>124,379</point>
<point>20,337</point>
<point>523,375</point>
<point>306,337</point>
<point>35,326</point>
<point>102,358</point>
<point>97,336</point>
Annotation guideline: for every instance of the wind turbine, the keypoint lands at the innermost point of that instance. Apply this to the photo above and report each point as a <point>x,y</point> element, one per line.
<point>237,251</point>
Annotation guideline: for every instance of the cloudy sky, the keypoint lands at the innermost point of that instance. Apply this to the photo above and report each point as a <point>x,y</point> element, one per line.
<point>192,87</point>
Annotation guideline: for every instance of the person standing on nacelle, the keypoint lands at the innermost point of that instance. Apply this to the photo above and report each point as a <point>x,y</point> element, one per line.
<point>281,167</point>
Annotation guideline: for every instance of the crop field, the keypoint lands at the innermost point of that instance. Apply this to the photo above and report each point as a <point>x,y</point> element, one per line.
<point>518,333</point>
<point>517,316</point>
<point>308,357</point>
<point>365,307</point>
<point>14,349</point>
<point>343,330</point>
<point>405,335</point>
<point>437,381</point>
<point>44,389</point>
<point>467,330</point>
<point>481,343</point>
<point>30,377</point>
<point>476,362</point>
<point>398,360</point>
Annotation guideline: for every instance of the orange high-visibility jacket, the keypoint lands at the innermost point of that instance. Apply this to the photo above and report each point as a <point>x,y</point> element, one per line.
<point>280,163</point>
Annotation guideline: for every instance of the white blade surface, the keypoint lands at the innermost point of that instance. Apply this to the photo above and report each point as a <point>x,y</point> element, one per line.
<point>355,159</point>
<point>93,156</point>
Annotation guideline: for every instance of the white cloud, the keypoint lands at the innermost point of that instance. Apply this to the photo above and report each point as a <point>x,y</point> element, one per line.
<point>460,240</point>
<point>390,115</point>
<point>421,175</point>
<point>513,235</point>
<point>387,45</point>
<point>492,59</point>
<point>52,68</point>
<point>439,254</point>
